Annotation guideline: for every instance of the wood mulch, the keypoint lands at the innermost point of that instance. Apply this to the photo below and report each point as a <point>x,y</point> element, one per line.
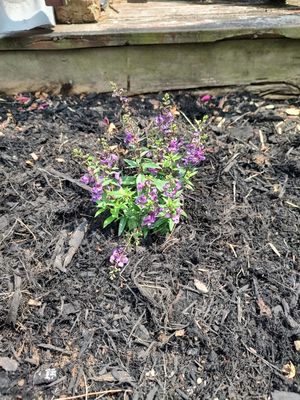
<point>210,313</point>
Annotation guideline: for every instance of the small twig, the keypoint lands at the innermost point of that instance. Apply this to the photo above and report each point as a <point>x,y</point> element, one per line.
<point>102,393</point>
<point>26,227</point>
<point>57,174</point>
<point>53,348</point>
<point>274,249</point>
<point>234,191</point>
<point>188,120</point>
<point>252,351</point>
<point>56,382</point>
<point>86,388</point>
<point>113,8</point>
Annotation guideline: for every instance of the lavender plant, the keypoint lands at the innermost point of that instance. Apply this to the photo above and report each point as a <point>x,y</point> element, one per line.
<point>139,183</point>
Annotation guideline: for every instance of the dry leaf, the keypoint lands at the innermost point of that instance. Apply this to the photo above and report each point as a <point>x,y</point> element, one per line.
<point>261,159</point>
<point>29,163</point>
<point>35,303</point>
<point>174,111</point>
<point>295,112</point>
<point>111,128</point>
<point>155,103</point>
<point>297,345</point>
<point>180,333</point>
<point>200,286</point>
<point>8,364</point>
<point>264,308</point>
<point>163,338</point>
<point>150,374</point>
<point>289,370</point>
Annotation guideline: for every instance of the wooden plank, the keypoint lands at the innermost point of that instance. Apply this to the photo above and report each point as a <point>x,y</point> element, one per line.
<point>160,23</point>
<point>151,68</point>
<point>87,70</point>
<point>238,62</point>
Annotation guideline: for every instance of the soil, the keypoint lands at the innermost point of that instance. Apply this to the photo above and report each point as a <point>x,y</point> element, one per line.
<point>212,312</point>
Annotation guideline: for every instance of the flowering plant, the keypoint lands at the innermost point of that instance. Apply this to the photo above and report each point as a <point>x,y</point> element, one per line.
<point>138,180</point>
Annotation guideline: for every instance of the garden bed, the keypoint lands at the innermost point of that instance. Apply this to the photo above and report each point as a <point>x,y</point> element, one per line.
<point>151,333</point>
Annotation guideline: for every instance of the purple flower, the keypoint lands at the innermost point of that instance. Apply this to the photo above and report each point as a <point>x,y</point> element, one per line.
<point>118,178</point>
<point>85,179</point>
<point>174,146</point>
<point>109,159</point>
<point>97,192</point>
<point>140,186</point>
<point>194,154</point>
<point>153,171</point>
<point>164,121</point>
<point>177,215</point>
<point>153,194</point>
<point>129,138</point>
<point>119,257</point>
<point>178,185</point>
<point>170,190</point>
<point>149,219</point>
<point>141,200</point>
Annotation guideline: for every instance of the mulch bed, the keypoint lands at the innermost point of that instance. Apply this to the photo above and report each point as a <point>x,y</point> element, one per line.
<point>68,330</point>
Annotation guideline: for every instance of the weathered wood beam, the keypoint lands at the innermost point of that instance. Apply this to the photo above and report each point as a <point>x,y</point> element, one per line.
<point>154,67</point>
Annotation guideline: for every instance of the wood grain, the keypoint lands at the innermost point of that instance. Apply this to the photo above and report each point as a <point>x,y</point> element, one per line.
<point>167,22</point>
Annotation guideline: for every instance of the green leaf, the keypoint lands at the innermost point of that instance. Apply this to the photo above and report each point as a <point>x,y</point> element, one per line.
<point>128,180</point>
<point>159,183</point>
<point>140,178</point>
<point>132,224</point>
<point>98,212</point>
<point>150,165</point>
<point>108,221</point>
<point>184,213</point>
<point>171,224</point>
<point>122,225</point>
<point>131,163</point>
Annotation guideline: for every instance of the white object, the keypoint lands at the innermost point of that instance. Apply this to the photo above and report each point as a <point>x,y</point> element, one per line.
<point>22,15</point>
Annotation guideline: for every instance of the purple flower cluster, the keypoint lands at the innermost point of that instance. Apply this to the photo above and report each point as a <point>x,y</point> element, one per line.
<point>117,176</point>
<point>141,200</point>
<point>171,190</point>
<point>164,121</point>
<point>97,191</point>
<point>194,154</point>
<point>86,179</point>
<point>108,159</point>
<point>119,257</point>
<point>174,146</point>
<point>149,195</point>
<point>153,171</point>
<point>150,219</point>
<point>174,216</point>
<point>130,138</point>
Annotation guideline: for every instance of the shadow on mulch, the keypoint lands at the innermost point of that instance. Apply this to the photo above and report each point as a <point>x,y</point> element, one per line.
<point>151,334</point>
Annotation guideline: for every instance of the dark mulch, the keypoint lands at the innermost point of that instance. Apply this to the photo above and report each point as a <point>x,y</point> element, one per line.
<point>151,334</point>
